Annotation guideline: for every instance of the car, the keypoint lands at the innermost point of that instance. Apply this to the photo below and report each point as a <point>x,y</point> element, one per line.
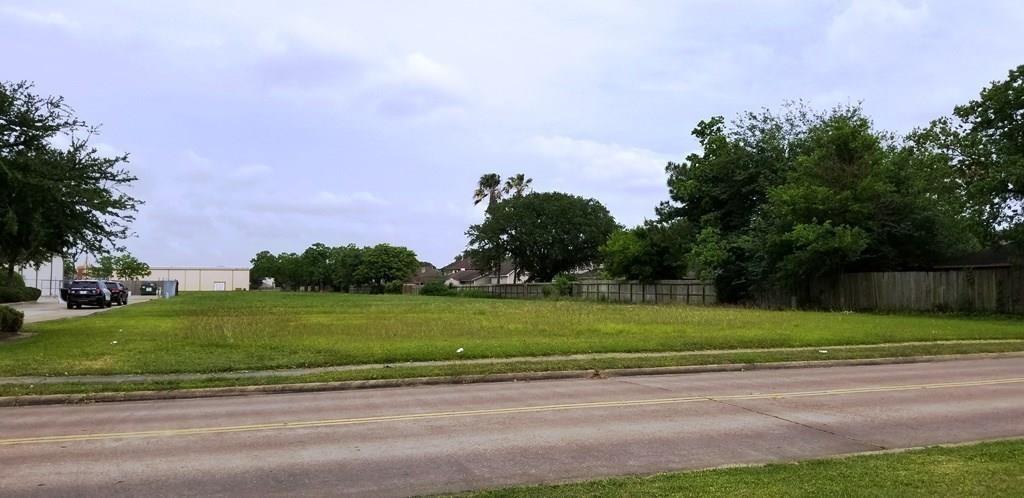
<point>118,293</point>
<point>148,289</point>
<point>89,293</point>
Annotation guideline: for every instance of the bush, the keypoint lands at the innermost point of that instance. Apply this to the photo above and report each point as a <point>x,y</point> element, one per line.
<point>393,287</point>
<point>436,289</point>
<point>10,319</point>
<point>17,295</point>
<point>562,284</point>
<point>15,281</point>
<point>30,294</point>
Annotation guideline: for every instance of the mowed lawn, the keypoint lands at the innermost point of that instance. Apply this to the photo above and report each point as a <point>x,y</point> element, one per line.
<point>207,332</point>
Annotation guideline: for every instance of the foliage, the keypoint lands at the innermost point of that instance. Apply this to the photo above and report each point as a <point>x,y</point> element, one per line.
<point>13,280</point>
<point>337,268</point>
<point>15,290</point>
<point>654,250</point>
<point>55,198</point>
<point>984,140</point>
<point>562,284</point>
<point>489,187</point>
<point>123,266</point>
<point>436,289</point>
<point>517,185</point>
<point>69,267</point>
<point>264,266</point>
<point>777,200</point>
<point>11,319</point>
<point>543,234</point>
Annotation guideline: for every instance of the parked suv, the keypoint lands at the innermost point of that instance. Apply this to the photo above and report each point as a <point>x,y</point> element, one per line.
<point>89,293</point>
<point>118,293</point>
<point>148,289</point>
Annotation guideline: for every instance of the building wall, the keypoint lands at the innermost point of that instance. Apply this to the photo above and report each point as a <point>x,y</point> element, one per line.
<point>46,278</point>
<point>202,279</point>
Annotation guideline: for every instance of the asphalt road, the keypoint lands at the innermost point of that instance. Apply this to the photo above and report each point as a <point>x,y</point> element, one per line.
<point>51,309</point>
<point>394,442</point>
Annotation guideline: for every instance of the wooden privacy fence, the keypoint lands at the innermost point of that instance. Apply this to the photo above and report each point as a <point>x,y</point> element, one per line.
<point>522,291</point>
<point>980,289</point>
<point>659,291</point>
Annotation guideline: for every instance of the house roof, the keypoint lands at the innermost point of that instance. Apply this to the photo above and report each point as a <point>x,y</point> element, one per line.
<point>460,263</point>
<point>466,276</point>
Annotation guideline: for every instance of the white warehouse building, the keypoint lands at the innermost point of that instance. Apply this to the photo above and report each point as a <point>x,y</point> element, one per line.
<point>202,278</point>
<point>47,277</point>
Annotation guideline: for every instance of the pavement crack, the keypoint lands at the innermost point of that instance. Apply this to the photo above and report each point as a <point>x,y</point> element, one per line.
<point>627,381</point>
<point>801,424</point>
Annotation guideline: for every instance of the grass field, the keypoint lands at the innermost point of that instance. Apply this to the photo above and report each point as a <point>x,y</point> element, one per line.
<point>212,332</point>
<point>986,469</point>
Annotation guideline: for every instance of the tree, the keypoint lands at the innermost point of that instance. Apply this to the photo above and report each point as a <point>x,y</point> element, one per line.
<point>543,233</point>
<point>383,264</point>
<point>783,200</point>
<point>517,185</point>
<point>345,260</point>
<point>488,187</point>
<point>264,266</point>
<point>984,139</point>
<point>651,251</point>
<point>128,267</point>
<point>317,262</point>
<point>53,199</point>
<point>104,267</point>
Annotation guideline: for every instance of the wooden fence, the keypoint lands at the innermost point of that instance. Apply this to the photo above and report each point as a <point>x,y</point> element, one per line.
<point>980,289</point>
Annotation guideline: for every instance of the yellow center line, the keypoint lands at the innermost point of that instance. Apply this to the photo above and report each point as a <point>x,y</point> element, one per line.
<point>495,411</point>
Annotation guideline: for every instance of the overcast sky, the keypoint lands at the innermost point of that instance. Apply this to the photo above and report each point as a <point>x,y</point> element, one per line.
<point>273,125</point>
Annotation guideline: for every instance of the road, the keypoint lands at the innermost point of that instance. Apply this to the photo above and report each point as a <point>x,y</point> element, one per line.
<point>51,309</point>
<point>408,441</point>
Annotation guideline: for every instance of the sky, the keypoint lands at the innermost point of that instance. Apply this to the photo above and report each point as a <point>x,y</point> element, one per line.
<point>258,125</point>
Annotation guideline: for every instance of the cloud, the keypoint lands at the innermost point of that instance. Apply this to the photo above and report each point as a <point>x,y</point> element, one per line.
<point>609,163</point>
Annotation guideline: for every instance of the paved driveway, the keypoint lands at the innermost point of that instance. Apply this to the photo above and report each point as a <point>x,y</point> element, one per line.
<point>50,309</point>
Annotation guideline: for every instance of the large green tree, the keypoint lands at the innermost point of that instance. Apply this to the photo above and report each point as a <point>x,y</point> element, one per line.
<point>264,266</point>
<point>55,198</point>
<point>652,251</point>
<point>779,200</point>
<point>544,234</point>
<point>383,264</point>
<point>984,140</point>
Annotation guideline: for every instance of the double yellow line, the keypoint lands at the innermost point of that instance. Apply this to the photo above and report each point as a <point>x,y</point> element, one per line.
<point>493,411</point>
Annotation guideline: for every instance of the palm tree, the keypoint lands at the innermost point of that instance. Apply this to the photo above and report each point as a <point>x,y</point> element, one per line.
<point>517,186</point>
<point>488,188</point>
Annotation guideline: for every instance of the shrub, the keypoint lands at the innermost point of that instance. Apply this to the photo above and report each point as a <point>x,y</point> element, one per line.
<point>393,287</point>
<point>10,319</point>
<point>10,295</point>
<point>15,281</point>
<point>562,284</point>
<point>30,294</point>
<point>436,289</point>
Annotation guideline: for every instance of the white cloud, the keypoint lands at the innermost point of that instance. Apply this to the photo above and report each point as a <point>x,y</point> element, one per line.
<point>609,163</point>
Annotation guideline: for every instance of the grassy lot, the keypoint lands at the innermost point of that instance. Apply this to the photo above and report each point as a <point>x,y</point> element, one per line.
<point>211,332</point>
<point>986,469</point>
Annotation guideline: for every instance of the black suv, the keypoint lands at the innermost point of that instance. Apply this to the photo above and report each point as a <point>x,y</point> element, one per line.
<point>88,293</point>
<point>118,293</point>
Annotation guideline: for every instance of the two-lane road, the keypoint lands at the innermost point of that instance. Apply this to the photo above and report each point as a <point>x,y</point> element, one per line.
<point>448,438</point>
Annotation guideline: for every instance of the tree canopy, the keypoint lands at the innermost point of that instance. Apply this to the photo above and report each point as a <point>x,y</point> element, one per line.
<point>322,267</point>
<point>56,199</point>
<point>543,234</point>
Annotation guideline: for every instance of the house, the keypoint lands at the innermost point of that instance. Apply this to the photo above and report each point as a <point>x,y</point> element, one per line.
<point>425,274</point>
<point>464,272</point>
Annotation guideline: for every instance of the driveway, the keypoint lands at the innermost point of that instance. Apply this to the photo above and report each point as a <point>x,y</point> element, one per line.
<point>51,309</point>
<point>440,439</point>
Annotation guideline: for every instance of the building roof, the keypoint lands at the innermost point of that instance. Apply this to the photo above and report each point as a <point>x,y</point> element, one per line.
<point>466,276</point>
<point>459,264</point>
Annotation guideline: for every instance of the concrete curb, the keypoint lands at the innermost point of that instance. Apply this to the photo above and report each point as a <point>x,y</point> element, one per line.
<point>216,392</point>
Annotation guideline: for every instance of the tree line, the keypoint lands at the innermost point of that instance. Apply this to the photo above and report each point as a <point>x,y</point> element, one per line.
<point>779,199</point>
<point>379,268</point>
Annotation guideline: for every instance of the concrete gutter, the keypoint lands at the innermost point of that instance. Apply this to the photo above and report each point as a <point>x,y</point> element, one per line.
<point>214,392</point>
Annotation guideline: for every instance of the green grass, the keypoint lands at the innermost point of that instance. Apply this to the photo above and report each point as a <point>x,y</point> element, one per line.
<point>211,332</point>
<point>461,371</point>
<point>986,469</point>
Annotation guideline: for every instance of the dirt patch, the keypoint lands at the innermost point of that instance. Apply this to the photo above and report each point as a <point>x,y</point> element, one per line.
<point>6,337</point>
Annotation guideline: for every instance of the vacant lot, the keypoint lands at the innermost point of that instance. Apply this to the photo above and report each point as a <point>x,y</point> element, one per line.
<point>243,331</point>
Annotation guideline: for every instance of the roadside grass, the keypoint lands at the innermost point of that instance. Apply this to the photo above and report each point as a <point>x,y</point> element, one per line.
<point>218,332</point>
<point>460,371</point>
<point>985,469</point>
